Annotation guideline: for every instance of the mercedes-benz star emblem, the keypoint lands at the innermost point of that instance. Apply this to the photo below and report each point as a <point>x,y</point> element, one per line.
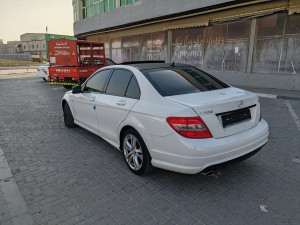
<point>241,103</point>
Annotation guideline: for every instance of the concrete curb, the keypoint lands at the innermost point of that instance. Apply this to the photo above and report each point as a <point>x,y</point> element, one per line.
<point>271,96</point>
<point>15,202</point>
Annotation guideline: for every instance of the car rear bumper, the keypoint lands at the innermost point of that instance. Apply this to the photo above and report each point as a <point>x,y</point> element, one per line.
<point>191,156</point>
<point>40,74</point>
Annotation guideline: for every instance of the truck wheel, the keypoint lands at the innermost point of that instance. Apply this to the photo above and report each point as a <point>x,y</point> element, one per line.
<point>68,117</point>
<point>68,86</point>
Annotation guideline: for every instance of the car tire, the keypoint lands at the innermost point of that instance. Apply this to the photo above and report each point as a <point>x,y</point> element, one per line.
<point>44,79</point>
<point>135,153</point>
<point>68,117</point>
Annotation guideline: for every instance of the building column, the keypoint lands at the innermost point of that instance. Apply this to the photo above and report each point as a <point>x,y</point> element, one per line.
<point>253,29</point>
<point>169,57</point>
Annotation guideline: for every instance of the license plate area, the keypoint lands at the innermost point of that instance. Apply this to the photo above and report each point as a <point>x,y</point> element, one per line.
<point>236,116</point>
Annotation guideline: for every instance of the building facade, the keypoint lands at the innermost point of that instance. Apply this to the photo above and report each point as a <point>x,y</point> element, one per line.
<point>253,43</point>
<point>3,47</point>
<point>14,47</point>
<point>36,44</point>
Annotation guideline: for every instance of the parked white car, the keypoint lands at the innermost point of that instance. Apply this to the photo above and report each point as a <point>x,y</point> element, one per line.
<point>43,72</point>
<point>174,117</point>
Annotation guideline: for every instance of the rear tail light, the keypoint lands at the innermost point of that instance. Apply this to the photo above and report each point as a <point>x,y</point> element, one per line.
<point>45,72</point>
<point>260,117</point>
<point>259,114</point>
<point>189,127</point>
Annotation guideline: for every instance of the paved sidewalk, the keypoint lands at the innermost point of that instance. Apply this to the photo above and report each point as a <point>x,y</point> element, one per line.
<point>274,93</point>
<point>25,67</point>
<point>10,73</point>
<point>71,176</point>
<point>13,209</point>
<point>17,71</point>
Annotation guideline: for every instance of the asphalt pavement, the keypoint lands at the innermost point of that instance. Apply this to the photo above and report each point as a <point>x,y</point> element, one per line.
<point>50,174</point>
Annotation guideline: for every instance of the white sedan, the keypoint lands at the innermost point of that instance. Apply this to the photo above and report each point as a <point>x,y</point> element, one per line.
<point>43,72</point>
<point>174,117</point>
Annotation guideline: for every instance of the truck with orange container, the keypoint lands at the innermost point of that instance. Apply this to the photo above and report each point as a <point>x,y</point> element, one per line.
<point>73,61</point>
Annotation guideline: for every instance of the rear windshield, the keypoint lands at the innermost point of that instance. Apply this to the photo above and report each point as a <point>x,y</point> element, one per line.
<point>182,80</point>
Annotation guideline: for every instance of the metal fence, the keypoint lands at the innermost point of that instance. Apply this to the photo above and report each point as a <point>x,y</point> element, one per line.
<point>25,57</point>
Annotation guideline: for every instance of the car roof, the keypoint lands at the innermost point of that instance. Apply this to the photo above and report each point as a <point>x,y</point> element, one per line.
<point>147,66</point>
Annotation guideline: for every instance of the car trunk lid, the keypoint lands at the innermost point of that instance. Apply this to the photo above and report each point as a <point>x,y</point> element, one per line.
<point>225,111</point>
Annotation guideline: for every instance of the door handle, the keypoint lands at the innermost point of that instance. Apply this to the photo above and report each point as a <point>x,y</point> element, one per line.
<point>92,99</point>
<point>121,103</point>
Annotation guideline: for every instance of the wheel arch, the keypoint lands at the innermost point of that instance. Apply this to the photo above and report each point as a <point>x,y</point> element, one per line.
<point>146,138</point>
<point>63,103</point>
<point>121,133</point>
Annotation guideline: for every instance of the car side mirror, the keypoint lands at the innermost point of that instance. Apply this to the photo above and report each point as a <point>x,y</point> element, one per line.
<point>76,89</point>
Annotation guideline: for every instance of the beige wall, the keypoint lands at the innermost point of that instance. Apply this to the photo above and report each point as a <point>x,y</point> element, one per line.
<point>11,47</point>
<point>32,46</point>
<point>32,36</point>
<point>3,48</point>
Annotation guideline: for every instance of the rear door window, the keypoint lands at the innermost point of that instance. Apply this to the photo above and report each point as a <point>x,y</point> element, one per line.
<point>133,90</point>
<point>118,82</point>
<point>182,80</point>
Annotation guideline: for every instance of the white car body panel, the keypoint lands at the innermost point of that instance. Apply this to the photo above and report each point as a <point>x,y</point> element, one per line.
<point>84,113</point>
<point>208,104</point>
<point>169,150</point>
<point>117,108</point>
<point>202,153</point>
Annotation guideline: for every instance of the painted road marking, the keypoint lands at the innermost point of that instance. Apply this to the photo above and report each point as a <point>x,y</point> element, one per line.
<point>296,160</point>
<point>15,202</point>
<point>57,83</point>
<point>294,115</point>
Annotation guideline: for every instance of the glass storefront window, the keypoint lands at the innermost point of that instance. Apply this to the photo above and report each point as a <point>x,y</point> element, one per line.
<point>277,46</point>
<point>227,46</point>
<point>188,46</point>
<point>291,62</point>
<point>144,47</point>
<point>215,31</point>
<point>238,29</point>
<point>219,47</point>
<point>267,55</point>
<point>116,49</point>
<point>293,24</point>
<point>271,25</point>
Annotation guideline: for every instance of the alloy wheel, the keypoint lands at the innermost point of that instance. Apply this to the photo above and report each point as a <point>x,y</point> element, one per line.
<point>133,152</point>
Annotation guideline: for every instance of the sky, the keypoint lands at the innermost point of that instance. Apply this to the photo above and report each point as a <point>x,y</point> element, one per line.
<point>32,16</point>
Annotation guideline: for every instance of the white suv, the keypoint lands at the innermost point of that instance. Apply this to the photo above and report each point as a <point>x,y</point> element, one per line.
<point>170,116</point>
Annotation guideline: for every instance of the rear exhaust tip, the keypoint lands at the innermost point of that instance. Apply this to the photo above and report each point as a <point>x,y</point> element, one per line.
<point>208,173</point>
